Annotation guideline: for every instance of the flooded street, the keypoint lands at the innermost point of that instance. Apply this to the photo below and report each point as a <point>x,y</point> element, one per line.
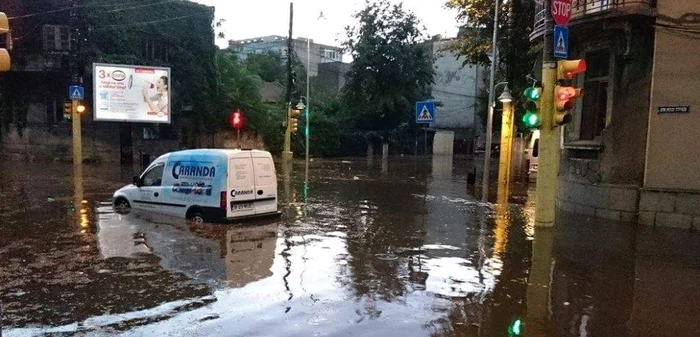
<point>368,249</point>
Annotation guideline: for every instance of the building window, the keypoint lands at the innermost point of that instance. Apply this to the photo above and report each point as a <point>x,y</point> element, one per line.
<point>56,38</point>
<point>330,54</point>
<point>596,86</point>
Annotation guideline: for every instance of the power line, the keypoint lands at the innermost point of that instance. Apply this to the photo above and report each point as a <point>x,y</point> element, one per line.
<point>147,22</point>
<point>94,5</point>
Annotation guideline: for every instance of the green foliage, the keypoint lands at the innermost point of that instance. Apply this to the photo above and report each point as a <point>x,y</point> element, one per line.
<point>392,69</point>
<point>326,127</point>
<point>235,88</point>
<point>268,66</point>
<point>179,35</point>
<point>516,58</point>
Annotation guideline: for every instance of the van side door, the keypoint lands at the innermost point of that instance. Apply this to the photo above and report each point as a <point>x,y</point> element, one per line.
<point>241,186</point>
<point>148,197</point>
<point>265,185</point>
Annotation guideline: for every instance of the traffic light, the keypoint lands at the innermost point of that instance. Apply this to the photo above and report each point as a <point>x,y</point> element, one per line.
<point>67,110</point>
<point>293,119</point>
<point>236,120</point>
<point>515,329</point>
<point>80,108</point>
<point>565,96</point>
<point>5,63</point>
<point>531,119</point>
<point>564,99</point>
<point>567,69</point>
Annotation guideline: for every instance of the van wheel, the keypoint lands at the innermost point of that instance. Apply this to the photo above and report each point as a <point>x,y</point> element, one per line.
<point>122,206</point>
<point>196,217</point>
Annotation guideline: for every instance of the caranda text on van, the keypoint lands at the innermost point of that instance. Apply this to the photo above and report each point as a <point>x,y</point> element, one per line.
<point>193,170</point>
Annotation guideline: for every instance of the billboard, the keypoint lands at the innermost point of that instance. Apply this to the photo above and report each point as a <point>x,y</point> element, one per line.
<point>127,93</point>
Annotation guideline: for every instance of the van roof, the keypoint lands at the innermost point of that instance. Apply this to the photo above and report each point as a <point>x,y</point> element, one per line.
<point>226,152</point>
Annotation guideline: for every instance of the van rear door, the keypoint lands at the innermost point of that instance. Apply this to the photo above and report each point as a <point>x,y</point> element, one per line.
<point>241,186</point>
<point>265,184</point>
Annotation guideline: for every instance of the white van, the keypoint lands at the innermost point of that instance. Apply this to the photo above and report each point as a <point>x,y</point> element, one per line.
<point>204,185</point>
<point>532,153</point>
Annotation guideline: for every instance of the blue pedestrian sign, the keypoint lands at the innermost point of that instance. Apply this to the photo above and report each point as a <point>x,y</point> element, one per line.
<point>425,112</point>
<point>561,42</point>
<point>76,92</point>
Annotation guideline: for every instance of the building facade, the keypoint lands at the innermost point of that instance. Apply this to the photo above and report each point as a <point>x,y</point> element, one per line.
<point>57,49</point>
<point>319,54</point>
<point>456,87</point>
<point>630,153</point>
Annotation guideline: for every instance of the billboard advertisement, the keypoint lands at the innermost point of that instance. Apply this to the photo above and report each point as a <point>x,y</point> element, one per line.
<point>128,93</point>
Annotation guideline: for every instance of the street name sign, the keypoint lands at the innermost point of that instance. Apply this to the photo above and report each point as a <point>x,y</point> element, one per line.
<point>561,42</point>
<point>561,11</point>
<point>684,109</point>
<point>425,112</point>
<point>76,93</point>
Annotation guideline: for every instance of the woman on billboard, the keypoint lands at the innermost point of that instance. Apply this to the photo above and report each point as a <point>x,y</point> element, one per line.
<point>158,102</point>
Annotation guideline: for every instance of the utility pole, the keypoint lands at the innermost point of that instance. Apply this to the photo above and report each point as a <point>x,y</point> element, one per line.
<point>287,151</point>
<point>308,106</point>
<point>492,97</point>
<point>75,114</point>
<point>549,141</point>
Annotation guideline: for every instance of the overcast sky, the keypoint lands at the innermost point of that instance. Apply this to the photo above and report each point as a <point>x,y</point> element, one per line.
<point>252,18</point>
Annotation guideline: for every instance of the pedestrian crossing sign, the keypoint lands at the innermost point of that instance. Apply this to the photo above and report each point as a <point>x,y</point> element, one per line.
<point>76,92</point>
<point>561,42</point>
<point>425,112</point>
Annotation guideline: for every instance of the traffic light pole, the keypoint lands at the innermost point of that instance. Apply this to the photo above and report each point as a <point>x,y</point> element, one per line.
<point>287,151</point>
<point>548,152</point>
<point>77,134</point>
<point>548,161</point>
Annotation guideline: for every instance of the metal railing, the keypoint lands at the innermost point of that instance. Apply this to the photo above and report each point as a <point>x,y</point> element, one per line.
<point>582,8</point>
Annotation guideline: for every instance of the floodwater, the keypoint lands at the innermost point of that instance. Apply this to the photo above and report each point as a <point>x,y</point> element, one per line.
<point>397,248</point>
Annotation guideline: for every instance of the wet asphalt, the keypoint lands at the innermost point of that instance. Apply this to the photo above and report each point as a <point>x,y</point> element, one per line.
<point>397,248</point>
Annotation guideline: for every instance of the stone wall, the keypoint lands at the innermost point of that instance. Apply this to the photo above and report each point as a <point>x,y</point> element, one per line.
<point>669,209</point>
<point>608,201</point>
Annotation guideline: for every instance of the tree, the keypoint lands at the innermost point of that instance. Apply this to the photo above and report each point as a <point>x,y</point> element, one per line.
<point>268,65</point>
<point>392,68</point>
<point>234,88</point>
<point>515,51</point>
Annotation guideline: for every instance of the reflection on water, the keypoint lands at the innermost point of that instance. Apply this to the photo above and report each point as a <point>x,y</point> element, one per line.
<point>400,249</point>
<point>234,255</point>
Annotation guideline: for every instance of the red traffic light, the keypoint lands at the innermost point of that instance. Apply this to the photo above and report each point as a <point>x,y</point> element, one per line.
<point>236,120</point>
<point>567,69</point>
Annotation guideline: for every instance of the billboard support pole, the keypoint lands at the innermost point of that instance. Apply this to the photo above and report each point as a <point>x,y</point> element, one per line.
<point>77,135</point>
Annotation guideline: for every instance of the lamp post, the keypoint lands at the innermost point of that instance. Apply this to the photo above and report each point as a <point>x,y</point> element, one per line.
<point>489,139</point>
<point>507,129</point>
<point>489,119</point>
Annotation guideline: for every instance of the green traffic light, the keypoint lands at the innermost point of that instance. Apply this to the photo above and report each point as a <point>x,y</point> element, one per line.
<point>532,93</point>
<point>515,328</point>
<point>531,119</point>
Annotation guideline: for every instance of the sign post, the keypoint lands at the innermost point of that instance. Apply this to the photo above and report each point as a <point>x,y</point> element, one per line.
<point>76,94</point>
<point>425,114</point>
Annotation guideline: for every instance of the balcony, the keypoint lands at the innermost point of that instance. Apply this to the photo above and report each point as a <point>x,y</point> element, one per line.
<point>586,10</point>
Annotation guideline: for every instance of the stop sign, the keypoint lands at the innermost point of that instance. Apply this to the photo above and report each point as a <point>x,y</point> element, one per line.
<point>561,11</point>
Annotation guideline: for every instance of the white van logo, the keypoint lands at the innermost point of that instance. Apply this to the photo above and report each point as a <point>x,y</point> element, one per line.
<point>193,170</point>
<point>234,193</point>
